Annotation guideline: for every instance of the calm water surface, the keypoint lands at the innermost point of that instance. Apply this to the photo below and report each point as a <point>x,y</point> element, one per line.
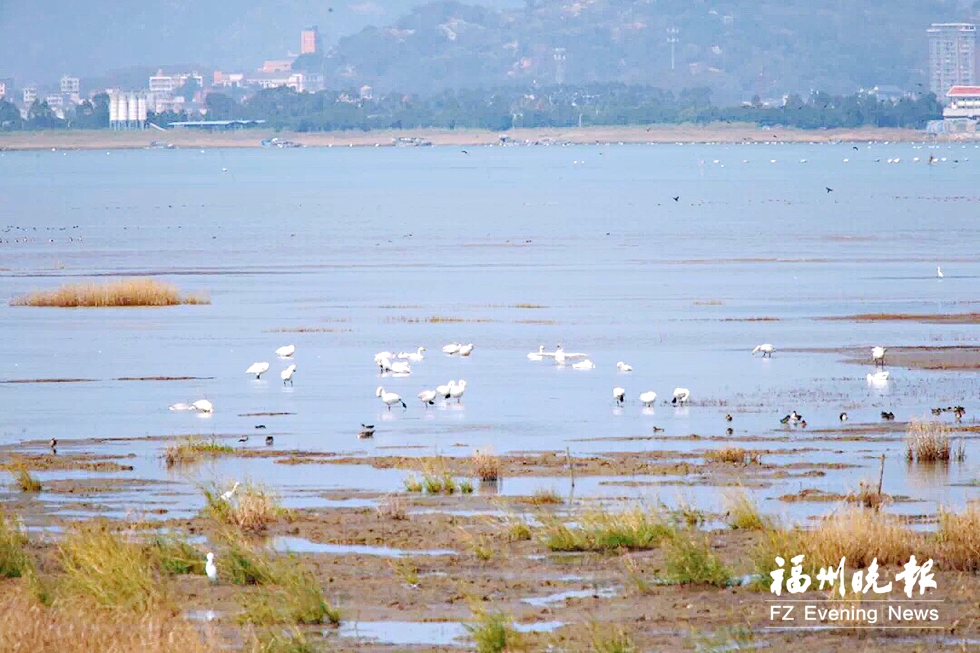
<point>507,248</point>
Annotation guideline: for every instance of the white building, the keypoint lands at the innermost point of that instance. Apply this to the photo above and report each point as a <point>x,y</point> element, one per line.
<point>952,56</point>
<point>963,102</point>
<point>161,83</point>
<point>30,95</point>
<point>70,85</point>
<point>3,90</point>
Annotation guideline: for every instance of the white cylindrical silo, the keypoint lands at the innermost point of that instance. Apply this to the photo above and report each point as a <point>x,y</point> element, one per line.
<point>141,111</point>
<point>123,110</point>
<point>113,110</point>
<point>133,113</point>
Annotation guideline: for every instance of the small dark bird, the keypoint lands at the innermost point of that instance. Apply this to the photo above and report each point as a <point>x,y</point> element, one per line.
<point>367,431</point>
<point>677,198</point>
<point>465,152</point>
<point>657,429</point>
<point>268,440</point>
<point>854,147</point>
<point>260,426</point>
<point>729,431</point>
<point>937,411</point>
<point>728,417</point>
<point>53,443</point>
<point>784,420</point>
<point>887,415</point>
<point>802,423</point>
<point>959,411</point>
<point>243,439</point>
<point>843,417</point>
<point>829,189</point>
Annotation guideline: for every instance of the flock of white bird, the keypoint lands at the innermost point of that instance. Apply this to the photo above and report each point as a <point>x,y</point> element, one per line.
<point>400,364</point>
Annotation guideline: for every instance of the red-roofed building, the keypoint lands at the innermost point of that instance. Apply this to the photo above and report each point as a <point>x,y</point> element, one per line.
<point>963,102</point>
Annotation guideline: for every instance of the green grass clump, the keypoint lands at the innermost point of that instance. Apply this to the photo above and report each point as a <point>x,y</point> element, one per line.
<point>241,563</point>
<point>14,560</point>
<point>110,570</point>
<point>25,481</point>
<point>493,632</point>
<point>193,449</point>
<point>606,531</point>
<point>276,641</point>
<point>412,484</point>
<point>691,561</point>
<point>437,480</point>
<point>295,598</point>
<point>176,556</point>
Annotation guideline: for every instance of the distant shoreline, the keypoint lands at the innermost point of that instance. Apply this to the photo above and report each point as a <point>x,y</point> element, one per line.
<point>720,133</point>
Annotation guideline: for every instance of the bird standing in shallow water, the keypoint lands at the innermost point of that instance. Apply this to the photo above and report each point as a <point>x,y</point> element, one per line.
<point>243,439</point>
<point>268,440</point>
<point>619,394</point>
<point>230,493</point>
<point>843,417</point>
<point>728,417</point>
<point>367,431</point>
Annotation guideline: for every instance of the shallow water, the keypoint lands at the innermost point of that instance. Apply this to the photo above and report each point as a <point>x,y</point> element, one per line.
<point>369,245</point>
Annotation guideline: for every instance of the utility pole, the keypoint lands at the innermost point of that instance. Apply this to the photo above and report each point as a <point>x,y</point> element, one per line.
<point>672,39</point>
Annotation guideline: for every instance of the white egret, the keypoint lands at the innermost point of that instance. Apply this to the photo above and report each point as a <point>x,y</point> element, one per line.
<point>287,374</point>
<point>427,397</point>
<point>286,351</point>
<point>623,367</point>
<point>681,395</point>
<point>456,391</point>
<point>230,493</point>
<point>258,369</point>
<point>939,272</point>
<point>647,398</point>
<point>382,355</point>
<point>878,356</point>
<point>203,406</point>
<point>619,394</point>
<point>389,398</point>
<point>451,348</point>
<point>466,350</point>
<point>400,367</point>
<point>211,569</point>
<point>766,350</point>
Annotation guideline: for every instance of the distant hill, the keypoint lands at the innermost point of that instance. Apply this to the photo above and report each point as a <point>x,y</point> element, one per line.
<point>737,48</point>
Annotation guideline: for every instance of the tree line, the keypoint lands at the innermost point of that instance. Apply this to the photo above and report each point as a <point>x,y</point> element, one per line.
<point>507,108</point>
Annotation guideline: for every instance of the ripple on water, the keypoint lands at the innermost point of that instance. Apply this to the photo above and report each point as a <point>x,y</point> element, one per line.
<point>303,545</point>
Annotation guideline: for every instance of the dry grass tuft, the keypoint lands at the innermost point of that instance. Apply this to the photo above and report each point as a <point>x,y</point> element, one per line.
<point>608,531</point>
<point>25,481</point>
<point>691,561</point>
<point>868,496</point>
<point>742,512</point>
<point>193,449</point>
<point>543,497</point>
<point>860,536</point>
<point>493,632</point>
<point>122,292</point>
<point>733,455</point>
<point>929,442</point>
<point>392,507</point>
<point>251,508</point>
<point>486,465</point>
<point>26,625</point>
<point>958,539</point>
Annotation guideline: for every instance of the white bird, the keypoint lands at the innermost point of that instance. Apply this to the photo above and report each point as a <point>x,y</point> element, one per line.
<point>939,272</point>
<point>287,374</point>
<point>389,398</point>
<point>561,355</point>
<point>181,407</point>
<point>400,367</point>
<point>443,390</point>
<point>211,569</point>
<point>623,367</point>
<point>880,376</point>
<point>766,350</point>
<point>451,348</point>
<point>456,391</point>
<point>415,357</point>
<point>230,493</point>
<point>878,356</point>
<point>619,394</point>
<point>203,406</point>
<point>539,354</point>
<point>681,395</point>
<point>427,397</point>
<point>647,398</point>
<point>584,365</point>
<point>258,369</point>
<point>382,355</point>
<point>286,351</point>
<point>466,350</point>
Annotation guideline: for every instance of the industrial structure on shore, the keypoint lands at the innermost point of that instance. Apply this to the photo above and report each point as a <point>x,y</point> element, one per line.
<point>127,111</point>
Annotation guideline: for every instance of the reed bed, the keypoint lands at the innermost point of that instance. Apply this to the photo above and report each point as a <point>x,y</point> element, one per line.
<point>25,625</point>
<point>544,497</point>
<point>930,442</point>
<point>193,449</point>
<point>122,292</point>
<point>690,561</point>
<point>486,465</point>
<point>958,539</point>
<point>25,481</point>
<point>610,639</point>
<point>868,496</point>
<point>251,508</point>
<point>742,513</point>
<point>392,507</point>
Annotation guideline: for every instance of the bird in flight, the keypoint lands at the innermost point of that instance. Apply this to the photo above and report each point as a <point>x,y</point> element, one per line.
<point>677,198</point>
<point>829,189</point>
